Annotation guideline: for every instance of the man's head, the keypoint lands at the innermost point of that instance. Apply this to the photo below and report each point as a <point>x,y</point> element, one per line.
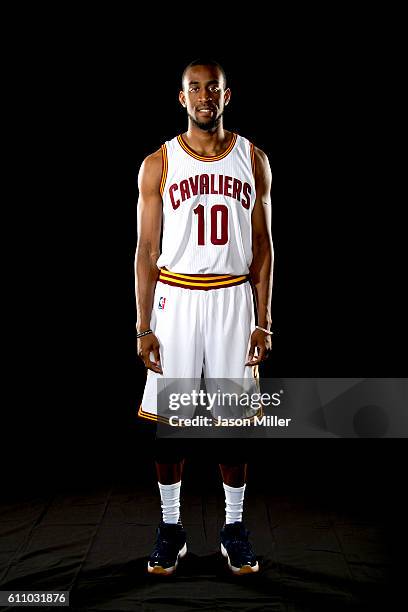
<point>204,93</point>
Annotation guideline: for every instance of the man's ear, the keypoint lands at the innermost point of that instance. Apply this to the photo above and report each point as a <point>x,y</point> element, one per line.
<point>227,96</point>
<point>182,98</point>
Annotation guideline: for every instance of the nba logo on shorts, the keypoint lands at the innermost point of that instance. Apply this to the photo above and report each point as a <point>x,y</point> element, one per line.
<point>162,302</point>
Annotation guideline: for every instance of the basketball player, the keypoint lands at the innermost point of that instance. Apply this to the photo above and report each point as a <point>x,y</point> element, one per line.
<point>208,190</point>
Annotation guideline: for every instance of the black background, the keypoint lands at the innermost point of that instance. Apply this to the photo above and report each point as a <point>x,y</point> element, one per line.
<point>89,101</point>
<point>89,114</point>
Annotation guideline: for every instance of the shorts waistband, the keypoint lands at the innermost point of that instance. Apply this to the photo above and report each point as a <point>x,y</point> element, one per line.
<point>201,281</point>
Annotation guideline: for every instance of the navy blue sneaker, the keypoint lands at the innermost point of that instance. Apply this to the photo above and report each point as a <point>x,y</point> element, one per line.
<point>237,549</point>
<point>170,547</point>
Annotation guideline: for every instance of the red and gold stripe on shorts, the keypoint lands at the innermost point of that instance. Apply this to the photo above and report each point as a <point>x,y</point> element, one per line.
<point>151,417</point>
<point>201,281</point>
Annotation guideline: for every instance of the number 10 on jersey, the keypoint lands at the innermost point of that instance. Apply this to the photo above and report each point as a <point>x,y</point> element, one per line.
<point>219,224</point>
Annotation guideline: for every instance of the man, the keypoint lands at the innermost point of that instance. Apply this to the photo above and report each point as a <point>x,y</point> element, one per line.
<point>210,188</point>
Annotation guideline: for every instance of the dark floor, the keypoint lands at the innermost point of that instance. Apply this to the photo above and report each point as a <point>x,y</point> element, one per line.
<point>94,543</point>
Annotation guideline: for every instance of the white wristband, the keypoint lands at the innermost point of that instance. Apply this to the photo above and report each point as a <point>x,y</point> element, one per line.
<point>264,330</point>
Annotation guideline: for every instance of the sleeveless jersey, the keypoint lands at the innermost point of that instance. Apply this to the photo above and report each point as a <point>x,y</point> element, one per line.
<point>207,208</point>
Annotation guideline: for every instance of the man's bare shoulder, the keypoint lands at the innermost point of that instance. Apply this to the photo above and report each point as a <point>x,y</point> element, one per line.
<point>262,167</point>
<point>151,169</point>
<point>153,161</point>
<point>260,156</point>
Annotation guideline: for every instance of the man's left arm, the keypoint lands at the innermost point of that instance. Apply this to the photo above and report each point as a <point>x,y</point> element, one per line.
<point>261,269</point>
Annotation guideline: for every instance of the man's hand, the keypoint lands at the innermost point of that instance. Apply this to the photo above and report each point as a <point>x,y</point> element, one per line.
<point>146,345</point>
<point>263,342</point>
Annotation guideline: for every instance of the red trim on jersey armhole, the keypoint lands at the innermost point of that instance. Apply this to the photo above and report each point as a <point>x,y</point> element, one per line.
<point>252,158</point>
<point>165,166</point>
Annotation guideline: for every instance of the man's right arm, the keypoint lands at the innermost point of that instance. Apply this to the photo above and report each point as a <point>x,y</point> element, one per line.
<point>149,220</point>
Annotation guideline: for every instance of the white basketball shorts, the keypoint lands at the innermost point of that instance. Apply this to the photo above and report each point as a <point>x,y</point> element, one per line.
<point>203,324</point>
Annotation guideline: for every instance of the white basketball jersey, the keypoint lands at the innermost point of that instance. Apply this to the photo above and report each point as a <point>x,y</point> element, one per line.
<point>207,208</point>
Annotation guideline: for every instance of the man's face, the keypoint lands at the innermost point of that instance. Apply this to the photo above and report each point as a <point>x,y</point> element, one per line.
<point>204,96</point>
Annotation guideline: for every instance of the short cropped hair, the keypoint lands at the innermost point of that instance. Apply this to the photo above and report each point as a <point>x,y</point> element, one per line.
<point>204,61</point>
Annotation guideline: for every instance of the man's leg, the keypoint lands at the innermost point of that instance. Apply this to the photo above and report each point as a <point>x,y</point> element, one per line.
<point>171,537</point>
<point>235,545</point>
<point>230,320</point>
<point>234,483</point>
<point>175,321</point>
<point>169,482</point>
<point>169,473</point>
<point>234,475</point>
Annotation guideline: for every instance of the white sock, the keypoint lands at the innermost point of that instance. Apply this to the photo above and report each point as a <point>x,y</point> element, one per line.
<point>234,503</point>
<point>170,498</point>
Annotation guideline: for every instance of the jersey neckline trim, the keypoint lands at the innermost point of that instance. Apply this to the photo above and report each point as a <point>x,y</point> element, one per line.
<point>213,158</point>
